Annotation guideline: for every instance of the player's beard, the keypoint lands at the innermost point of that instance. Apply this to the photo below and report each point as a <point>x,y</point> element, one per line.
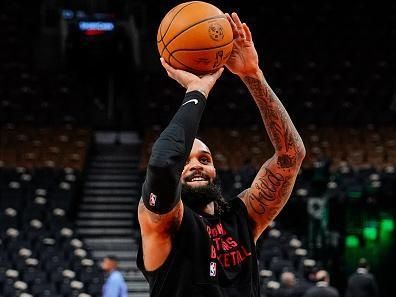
<point>197,198</point>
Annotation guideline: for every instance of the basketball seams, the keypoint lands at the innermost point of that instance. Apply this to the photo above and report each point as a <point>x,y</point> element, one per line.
<point>188,67</point>
<point>171,56</point>
<point>177,60</point>
<point>191,26</point>
<point>171,21</point>
<point>199,49</point>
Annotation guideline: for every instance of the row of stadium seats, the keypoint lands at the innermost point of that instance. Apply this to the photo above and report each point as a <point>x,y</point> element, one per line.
<point>41,189</point>
<point>307,103</point>
<point>47,263</point>
<point>35,98</point>
<point>278,252</point>
<point>40,253</point>
<point>357,147</point>
<point>43,147</point>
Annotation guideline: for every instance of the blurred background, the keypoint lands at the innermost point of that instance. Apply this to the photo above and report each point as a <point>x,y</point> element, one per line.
<point>83,97</point>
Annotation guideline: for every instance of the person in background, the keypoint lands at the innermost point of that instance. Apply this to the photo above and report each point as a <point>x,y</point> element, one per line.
<point>322,288</point>
<point>288,281</point>
<point>115,285</point>
<point>362,283</point>
<point>307,281</point>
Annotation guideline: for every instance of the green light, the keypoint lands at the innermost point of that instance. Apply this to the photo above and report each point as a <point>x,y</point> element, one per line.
<point>387,225</point>
<point>370,233</point>
<point>352,241</point>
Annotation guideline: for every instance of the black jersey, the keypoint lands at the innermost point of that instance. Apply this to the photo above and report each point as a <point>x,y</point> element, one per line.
<point>211,257</point>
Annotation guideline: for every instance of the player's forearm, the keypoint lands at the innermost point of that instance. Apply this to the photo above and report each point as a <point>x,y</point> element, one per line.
<point>161,189</point>
<point>287,142</point>
<point>174,144</point>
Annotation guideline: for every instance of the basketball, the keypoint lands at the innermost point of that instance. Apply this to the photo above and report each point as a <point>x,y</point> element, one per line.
<point>195,36</point>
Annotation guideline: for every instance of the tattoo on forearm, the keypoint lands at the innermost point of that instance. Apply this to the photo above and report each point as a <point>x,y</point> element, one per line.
<point>280,128</point>
<point>274,183</point>
<point>266,191</point>
<point>286,161</point>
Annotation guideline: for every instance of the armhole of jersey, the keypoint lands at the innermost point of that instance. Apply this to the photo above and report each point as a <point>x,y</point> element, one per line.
<point>243,193</point>
<point>241,208</point>
<point>241,204</point>
<point>240,197</point>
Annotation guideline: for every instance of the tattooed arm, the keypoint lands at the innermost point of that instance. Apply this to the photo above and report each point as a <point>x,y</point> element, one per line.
<point>274,182</point>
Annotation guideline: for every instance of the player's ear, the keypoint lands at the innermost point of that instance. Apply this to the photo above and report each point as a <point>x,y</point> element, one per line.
<point>215,176</point>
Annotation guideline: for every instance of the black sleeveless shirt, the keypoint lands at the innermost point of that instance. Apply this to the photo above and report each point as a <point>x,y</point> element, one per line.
<point>210,257</point>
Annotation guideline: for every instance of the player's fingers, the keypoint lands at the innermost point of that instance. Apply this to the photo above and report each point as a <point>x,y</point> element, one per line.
<point>165,64</point>
<point>239,25</point>
<point>237,21</point>
<point>248,34</point>
<point>218,73</point>
<point>212,77</point>
<point>233,26</point>
<point>169,69</point>
<point>230,20</point>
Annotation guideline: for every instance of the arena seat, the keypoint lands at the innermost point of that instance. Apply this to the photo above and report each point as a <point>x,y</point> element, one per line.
<point>39,185</point>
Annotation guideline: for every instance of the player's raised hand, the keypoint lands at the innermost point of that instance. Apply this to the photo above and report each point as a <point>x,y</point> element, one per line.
<point>192,82</point>
<point>244,59</point>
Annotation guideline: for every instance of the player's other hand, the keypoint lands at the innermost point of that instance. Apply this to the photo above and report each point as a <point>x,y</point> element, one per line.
<point>244,59</point>
<point>192,82</point>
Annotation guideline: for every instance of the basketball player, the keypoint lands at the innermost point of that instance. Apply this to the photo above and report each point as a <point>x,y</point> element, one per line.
<point>194,244</point>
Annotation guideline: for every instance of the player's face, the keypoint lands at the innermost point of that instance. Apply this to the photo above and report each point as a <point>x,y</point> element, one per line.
<point>199,169</point>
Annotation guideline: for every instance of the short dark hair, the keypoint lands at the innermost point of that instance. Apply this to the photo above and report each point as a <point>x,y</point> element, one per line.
<point>200,138</point>
<point>113,258</point>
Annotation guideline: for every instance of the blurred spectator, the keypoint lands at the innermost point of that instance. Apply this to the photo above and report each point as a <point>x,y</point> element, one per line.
<point>362,283</point>
<point>115,285</point>
<point>288,281</point>
<point>322,288</point>
<point>308,281</point>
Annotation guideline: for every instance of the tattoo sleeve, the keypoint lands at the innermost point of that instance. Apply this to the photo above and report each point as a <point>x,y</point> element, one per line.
<point>273,184</point>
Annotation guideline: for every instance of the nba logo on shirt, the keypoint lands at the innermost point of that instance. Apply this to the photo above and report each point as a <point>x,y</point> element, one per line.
<point>212,269</point>
<point>153,199</point>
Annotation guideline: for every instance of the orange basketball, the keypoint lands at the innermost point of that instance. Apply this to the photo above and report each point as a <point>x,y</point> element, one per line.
<point>195,36</point>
